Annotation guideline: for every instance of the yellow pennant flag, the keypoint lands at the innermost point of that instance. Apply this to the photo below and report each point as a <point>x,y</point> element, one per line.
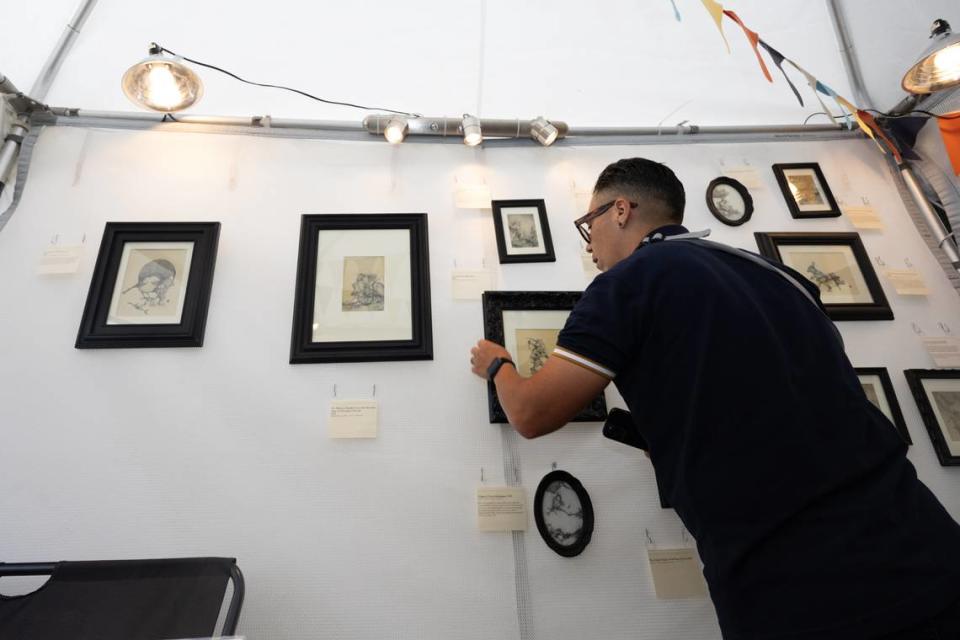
<point>716,12</point>
<point>854,112</point>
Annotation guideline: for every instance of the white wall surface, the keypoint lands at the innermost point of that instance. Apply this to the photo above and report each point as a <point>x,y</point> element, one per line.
<point>222,450</point>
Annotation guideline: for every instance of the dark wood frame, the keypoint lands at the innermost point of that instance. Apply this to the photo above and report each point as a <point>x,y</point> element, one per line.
<point>891,397</point>
<point>879,309</point>
<point>739,188</point>
<point>778,170</point>
<point>419,347</point>
<point>494,304</point>
<point>505,258</point>
<point>915,378</point>
<point>94,331</point>
<point>567,551</point>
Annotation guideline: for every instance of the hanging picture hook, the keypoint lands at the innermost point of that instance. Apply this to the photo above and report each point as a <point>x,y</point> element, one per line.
<point>334,389</point>
<point>880,262</point>
<point>374,390</point>
<point>481,474</point>
<point>553,466</point>
<point>916,328</point>
<point>944,327</point>
<point>649,539</point>
<point>907,262</point>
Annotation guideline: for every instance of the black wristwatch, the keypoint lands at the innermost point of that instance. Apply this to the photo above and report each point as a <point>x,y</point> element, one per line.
<point>495,367</point>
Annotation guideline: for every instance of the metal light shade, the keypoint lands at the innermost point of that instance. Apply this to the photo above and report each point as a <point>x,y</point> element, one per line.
<point>396,130</point>
<point>938,68</point>
<point>543,132</point>
<point>472,134</point>
<point>162,83</point>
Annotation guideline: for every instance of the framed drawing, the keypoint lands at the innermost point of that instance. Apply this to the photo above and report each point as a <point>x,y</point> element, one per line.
<point>564,513</point>
<point>523,233</point>
<point>363,289</point>
<point>838,264</point>
<point>151,285</point>
<point>527,323</point>
<point>879,389</point>
<point>937,394</point>
<point>729,201</point>
<point>806,190</point>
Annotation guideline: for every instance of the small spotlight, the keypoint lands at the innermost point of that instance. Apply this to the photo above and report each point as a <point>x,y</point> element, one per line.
<point>162,83</point>
<point>396,130</point>
<point>543,132</point>
<point>472,135</point>
<point>939,65</point>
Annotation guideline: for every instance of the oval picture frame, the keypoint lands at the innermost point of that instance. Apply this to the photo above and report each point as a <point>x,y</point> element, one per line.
<point>560,486</point>
<point>723,213</point>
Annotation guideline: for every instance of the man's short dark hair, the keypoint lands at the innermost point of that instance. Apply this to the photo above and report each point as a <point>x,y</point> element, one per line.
<point>641,178</point>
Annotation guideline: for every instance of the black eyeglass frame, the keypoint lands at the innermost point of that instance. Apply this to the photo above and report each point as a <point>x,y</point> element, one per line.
<point>580,222</point>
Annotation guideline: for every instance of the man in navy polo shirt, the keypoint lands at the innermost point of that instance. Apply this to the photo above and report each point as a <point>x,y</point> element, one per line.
<point>809,518</point>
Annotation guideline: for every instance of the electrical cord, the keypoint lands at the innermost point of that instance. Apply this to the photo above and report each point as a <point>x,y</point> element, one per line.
<point>908,113</point>
<point>156,48</point>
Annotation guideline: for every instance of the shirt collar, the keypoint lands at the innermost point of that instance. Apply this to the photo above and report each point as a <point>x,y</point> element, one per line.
<point>662,232</point>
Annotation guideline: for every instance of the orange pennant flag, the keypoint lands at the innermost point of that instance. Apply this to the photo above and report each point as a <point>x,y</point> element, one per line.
<point>871,122</point>
<point>753,39</point>
<point>716,12</point>
<point>950,132</point>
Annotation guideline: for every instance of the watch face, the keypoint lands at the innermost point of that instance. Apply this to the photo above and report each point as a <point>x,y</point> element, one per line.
<point>564,513</point>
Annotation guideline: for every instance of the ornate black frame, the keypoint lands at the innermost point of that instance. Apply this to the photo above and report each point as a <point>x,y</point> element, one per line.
<point>739,188</point>
<point>567,551</point>
<point>505,258</point>
<point>94,331</point>
<point>494,304</point>
<point>419,347</point>
<point>769,245</point>
<point>915,378</point>
<point>778,170</point>
<point>887,384</point>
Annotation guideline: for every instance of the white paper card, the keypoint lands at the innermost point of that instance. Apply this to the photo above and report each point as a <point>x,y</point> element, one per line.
<point>944,351</point>
<point>472,197</point>
<point>60,259</point>
<point>907,282</point>
<point>501,509</point>
<point>747,176</point>
<point>469,284</point>
<point>353,419</point>
<point>863,217</point>
<point>676,574</point>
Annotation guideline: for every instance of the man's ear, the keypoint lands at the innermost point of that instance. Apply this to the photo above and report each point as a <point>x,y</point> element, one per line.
<point>624,210</point>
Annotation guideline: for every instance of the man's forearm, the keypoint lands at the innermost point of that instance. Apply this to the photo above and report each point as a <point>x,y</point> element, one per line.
<point>520,402</point>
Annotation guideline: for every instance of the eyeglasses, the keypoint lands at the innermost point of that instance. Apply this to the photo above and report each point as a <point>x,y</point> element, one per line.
<point>583,222</point>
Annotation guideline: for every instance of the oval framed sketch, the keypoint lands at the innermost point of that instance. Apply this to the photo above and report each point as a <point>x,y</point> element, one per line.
<point>729,201</point>
<point>564,513</point>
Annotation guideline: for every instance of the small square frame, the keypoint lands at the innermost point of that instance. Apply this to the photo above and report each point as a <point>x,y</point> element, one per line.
<point>831,210</point>
<point>915,378</point>
<point>498,207</point>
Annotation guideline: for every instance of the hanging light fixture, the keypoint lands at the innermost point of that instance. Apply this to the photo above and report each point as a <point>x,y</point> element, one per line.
<point>472,134</point>
<point>543,131</point>
<point>939,65</point>
<point>162,83</point>
<point>396,130</point>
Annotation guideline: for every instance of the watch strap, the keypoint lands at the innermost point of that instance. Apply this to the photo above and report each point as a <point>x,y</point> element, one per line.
<point>494,367</point>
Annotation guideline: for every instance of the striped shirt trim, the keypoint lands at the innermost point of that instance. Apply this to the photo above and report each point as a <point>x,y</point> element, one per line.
<point>586,363</point>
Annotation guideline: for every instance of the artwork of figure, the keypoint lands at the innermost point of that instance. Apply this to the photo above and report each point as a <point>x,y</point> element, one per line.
<point>363,283</point>
<point>948,404</point>
<point>523,230</point>
<point>728,202</point>
<point>871,392</point>
<point>153,283</point>
<point>562,513</point>
<point>534,346</point>
<point>804,189</point>
<point>824,279</point>
<point>538,354</point>
<point>150,284</point>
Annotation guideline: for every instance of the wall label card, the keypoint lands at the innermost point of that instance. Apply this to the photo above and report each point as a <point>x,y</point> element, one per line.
<point>676,574</point>
<point>907,282</point>
<point>864,217</point>
<point>469,284</point>
<point>353,419</point>
<point>58,260</point>
<point>944,351</point>
<point>501,509</point>
<point>745,175</point>
<point>476,196</point>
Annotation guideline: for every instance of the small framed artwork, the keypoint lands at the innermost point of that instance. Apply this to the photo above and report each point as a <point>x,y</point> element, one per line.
<point>363,289</point>
<point>806,190</point>
<point>729,201</point>
<point>523,232</point>
<point>838,264</point>
<point>527,324</point>
<point>879,389</point>
<point>937,394</point>
<point>564,513</point>
<point>151,285</point>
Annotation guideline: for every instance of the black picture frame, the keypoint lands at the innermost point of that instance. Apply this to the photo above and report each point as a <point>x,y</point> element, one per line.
<point>916,378</point>
<point>737,186</point>
<point>97,332</point>
<point>419,347</point>
<point>878,308</point>
<point>830,209</point>
<point>499,209</point>
<point>586,511</point>
<point>494,305</point>
<point>886,387</point>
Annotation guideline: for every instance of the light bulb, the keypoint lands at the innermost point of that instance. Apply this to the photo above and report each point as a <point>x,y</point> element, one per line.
<point>947,61</point>
<point>396,130</point>
<point>543,131</point>
<point>162,83</point>
<point>472,133</point>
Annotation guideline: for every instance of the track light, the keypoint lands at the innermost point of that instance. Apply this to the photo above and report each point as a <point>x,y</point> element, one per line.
<point>939,65</point>
<point>162,83</point>
<point>396,130</point>
<point>472,134</point>
<point>543,132</point>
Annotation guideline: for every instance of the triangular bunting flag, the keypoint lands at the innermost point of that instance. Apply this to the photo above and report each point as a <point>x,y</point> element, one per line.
<point>676,12</point>
<point>778,60</point>
<point>716,12</point>
<point>904,131</point>
<point>753,39</point>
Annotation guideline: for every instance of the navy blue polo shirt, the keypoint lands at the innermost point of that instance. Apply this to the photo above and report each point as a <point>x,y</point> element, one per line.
<point>809,519</point>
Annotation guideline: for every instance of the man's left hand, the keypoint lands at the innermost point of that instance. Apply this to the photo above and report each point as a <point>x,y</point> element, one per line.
<point>483,355</point>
